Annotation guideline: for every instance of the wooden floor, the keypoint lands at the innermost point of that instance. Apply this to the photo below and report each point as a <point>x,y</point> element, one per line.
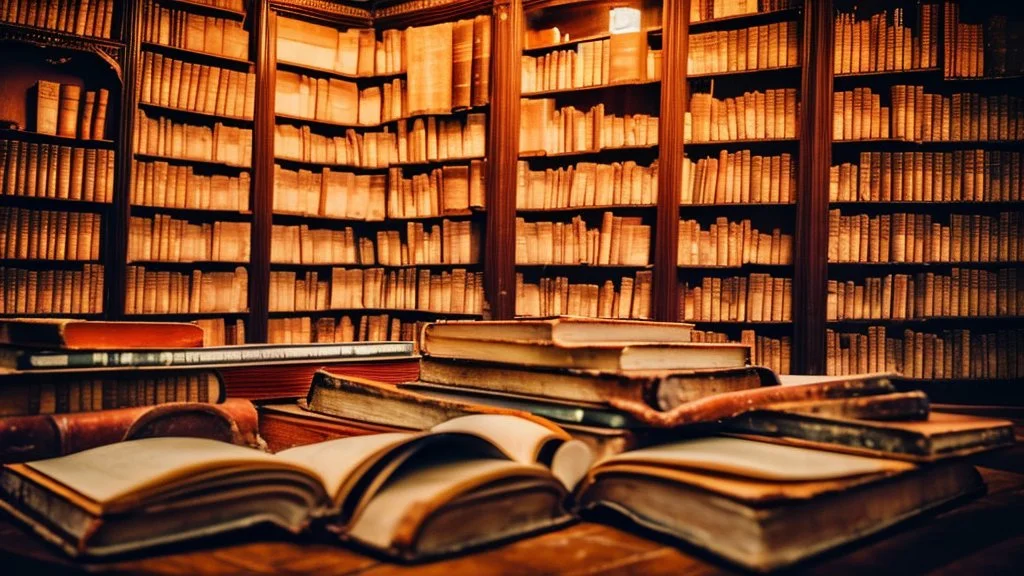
<point>981,536</point>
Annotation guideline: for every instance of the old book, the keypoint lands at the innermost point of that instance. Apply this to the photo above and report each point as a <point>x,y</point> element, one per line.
<point>98,335</point>
<point>663,391</point>
<point>764,506</point>
<point>429,74</point>
<point>564,330</point>
<point>287,425</point>
<point>47,106</point>
<point>462,64</point>
<point>938,437</point>
<point>49,436</point>
<point>358,496</point>
<point>67,116</point>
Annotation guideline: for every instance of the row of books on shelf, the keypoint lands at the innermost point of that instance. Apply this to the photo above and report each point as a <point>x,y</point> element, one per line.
<point>161,238</point>
<point>49,234</point>
<point>222,331</point>
<point>352,52</point>
<point>773,353</point>
<point>180,28</point>
<point>546,129</point>
<point>66,110</point>
<point>884,43</point>
<point>429,140</point>
<point>964,293</point>
<point>739,178</point>
<point>756,298</point>
<point>52,291</point>
<point>292,291</point>
<point>903,237</point>
<point>174,186</point>
<point>728,243</point>
<point>448,65</point>
<point>631,298</point>
<point>960,176</point>
<point>456,291</point>
<point>754,48</point>
<point>974,50</point>
<point>951,354</point>
<point>442,191</point>
<point>196,87</point>
<point>620,240</point>
<point>622,58</point>
<point>199,292</point>
<point>450,242</point>
<point>704,10</point>
<point>51,171</point>
<point>330,194</point>
<point>165,137</point>
<point>586,184</point>
<point>81,17</point>
<point>920,116</point>
<point>772,114</point>
<point>366,328</point>
<point>337,101</point>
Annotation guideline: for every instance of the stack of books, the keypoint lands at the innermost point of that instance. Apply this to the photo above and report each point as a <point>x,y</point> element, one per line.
<point>517,427</point>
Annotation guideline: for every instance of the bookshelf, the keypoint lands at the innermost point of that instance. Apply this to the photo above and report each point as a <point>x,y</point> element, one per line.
<point>923,261</point>
<point>525,169</point>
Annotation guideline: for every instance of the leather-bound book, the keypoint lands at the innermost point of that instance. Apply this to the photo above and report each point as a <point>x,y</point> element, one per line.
<point>24,438</point>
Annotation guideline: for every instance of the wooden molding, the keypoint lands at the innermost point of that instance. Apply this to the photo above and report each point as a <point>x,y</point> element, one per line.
<point>264,33</point>
<point>325,11</point>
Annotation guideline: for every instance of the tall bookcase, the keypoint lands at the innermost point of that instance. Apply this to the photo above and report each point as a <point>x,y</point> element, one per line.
<point>835,182</point>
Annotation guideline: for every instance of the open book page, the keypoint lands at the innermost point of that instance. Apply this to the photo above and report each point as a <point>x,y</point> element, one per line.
<point>337,460</point>
<point>415,494</point>
<point>525,441</point>
<point>756,460</point>
<point>111,472</point>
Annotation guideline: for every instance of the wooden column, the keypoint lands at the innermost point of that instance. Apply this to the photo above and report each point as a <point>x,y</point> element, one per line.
<point>503,154</point>
<point>264,32</point>
<point>116,265</point>
<point>675,43</point>
<point>811,251</point>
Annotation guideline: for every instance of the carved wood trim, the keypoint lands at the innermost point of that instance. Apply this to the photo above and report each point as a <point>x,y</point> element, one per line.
<point>427,12</point>
<point>324,11</point>
<point>811,250</point>
<point>675,43</point>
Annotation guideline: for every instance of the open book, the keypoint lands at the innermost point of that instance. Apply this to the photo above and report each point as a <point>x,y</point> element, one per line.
<point>467,482</point>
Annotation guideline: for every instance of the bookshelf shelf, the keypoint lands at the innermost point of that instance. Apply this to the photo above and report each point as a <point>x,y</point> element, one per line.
<point>895,75</point>
<point>642,84</point>
<point>80,315</point>
<point>747,266</point>
<point>53,203</point>
<point>610,267</point>
<point>574,210</point>
<point>211,213</point>
<point>43,263</point>
<point>324,124</point>
<point>759,73</point>
<point>207,117</point>
<point>748,143</point>
<point>207,9</point>
<point>893,144</point>
<point>199,57</point>
<point>983,320</point>
<point>1009,78</point>
<point>928,264</point>
<point>375,311</point>
<point>466,214</point>
<point>454,113</point>
<point>605,154</point>
<point>298,218</point>
<point>183,316</point>
<point>744,20</point>
<point>28,136</point>
<point>189,264</point>
<point>292,266</point>
<point>49,38</point>
<point>737,206</point>
<point>329,73</point>
<point>462,161</point>
<point>192,162</point>
<point>292,163</point>
<point>759,323</point>
<point>952,205</point>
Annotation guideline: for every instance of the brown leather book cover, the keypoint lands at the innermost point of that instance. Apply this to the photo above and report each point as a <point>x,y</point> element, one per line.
<point>96,335</point>
<point>25,438</point>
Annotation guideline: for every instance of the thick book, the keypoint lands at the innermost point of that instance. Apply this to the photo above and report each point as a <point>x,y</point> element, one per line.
<point>24,438</point>
<point>67,334</point>
<point>562,330</point>
<point>938,437</point>
<point>764,506</point>
<point>663,390</point>
<point>408,495</point>
<point>265,381</point>
<point>219,355</point>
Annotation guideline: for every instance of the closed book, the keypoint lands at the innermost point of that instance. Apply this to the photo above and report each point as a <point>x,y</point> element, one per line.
<point>67,117</point>
<point>47,106</point>
<point>97,335</point>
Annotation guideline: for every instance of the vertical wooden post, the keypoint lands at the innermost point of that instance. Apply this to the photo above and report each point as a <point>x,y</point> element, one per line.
<point>675,43</point>
<point>264,30</point>
<point>503,154</point>
<point>811,253</point>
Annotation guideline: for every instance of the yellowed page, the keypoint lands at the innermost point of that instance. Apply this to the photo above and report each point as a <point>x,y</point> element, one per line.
<point>336,460</point>
<point>751,459</point>
<point>108,473</point>
<point>520,439</point>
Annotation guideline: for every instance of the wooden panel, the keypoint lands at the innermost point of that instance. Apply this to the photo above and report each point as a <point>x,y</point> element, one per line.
<point>811,242</point>
<point>265,30</point>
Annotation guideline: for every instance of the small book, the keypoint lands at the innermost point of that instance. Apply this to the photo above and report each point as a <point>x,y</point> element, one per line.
<point>67,334</point>
<point>765,506</point>
<point>408,495</point>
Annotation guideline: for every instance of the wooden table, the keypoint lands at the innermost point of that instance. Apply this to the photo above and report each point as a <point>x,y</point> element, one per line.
<point>982,536</point>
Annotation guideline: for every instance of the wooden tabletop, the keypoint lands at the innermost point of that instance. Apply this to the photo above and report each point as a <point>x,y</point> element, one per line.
<point>981,536</point>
